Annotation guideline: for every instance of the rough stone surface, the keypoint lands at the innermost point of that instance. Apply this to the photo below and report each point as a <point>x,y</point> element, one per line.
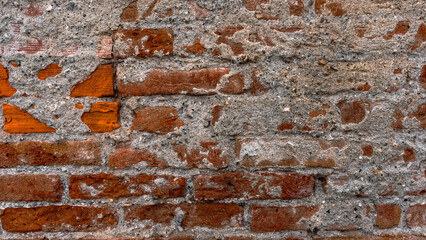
<point>212,119</point>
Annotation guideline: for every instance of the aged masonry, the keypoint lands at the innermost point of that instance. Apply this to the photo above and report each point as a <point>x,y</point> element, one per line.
<point>202,119</point>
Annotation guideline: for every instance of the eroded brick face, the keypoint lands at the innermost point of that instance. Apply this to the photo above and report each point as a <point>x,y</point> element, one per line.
<point>102,117</point>
<point>159,120</point>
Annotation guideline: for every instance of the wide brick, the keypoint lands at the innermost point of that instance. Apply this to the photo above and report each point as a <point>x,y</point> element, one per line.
<point>58,218</point>
<point>278,152</point>
<point>370,237</point>
<point>6,90</point>
<point>159,120</point>
<point>195,82</point>
<point>20,121</point>
<point>30,187</point>
<point>261,185</point>
<point>43,153</point>
<point>142,42</point>
<point>102,117</point>
<point>112,186</point>
<point>213,215</point>
<point>415,216</point>
<point>100,83</point>
<point>274,219</point>
<point>388,215</point>
<point>50,71</point>
<point>126,157</point>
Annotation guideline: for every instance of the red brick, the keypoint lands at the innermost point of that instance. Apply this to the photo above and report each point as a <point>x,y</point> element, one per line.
<point>369,237</point>
<point>285,126</point>
<point>126,157</point>
<point>398,116</point>
<point>213,215</point>
<point>352,112</point>
<point>409,155</point>
<point>261,185</point>
<point>234,85</point>
<point>196,82</point>
<point>112,186</point>
<point>50,71</point>
<point>20,121</point>
<point>130,13</point>
<point>401,28</point>
<point>33,11</point>
<point>275,219</point>
<point>420,114</point>
<point>201,157</point>
<point>336,9</point>
<point>30,187</point>
<point>225,34</point>
<point>100,83</point>
<point>257,88</point>
<point>422,77</point>
<point>415,216</point>
<point>388,215</point>
<point>142,43</point>
<point>296,8</point>
<point>6,90</point>
<point>420,37</point>
<point>160,120</point>
<point>102,117</point>
<point>58,219</point>
<point>367,150</point>
<point>216,113</point>
<point>196,47</point>
<point>34,153</point>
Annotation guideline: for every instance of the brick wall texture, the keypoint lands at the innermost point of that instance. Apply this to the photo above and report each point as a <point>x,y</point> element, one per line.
<point>213,119</point>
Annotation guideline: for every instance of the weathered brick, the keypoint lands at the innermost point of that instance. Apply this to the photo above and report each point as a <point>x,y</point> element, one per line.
<point>261,185</point>
<point>420,114</point>
<point>415,216</point>
<point>6,90</point>
<point>388,215</point>
<point>142,42</point>
<point>352,112</point>
<point>420,37</point>
<point>112,186</point>
<point>234,85</point>
<point>158,120</point>
<point>213,215</point>
<point>102,117</point>
<point>35,153</point>
<point>196,82</point>
<point>216,112</point>
<point>100,83</point>
<point>126,157</point>
<point>58,218</point>
<point>50,71</point>
<point>30,187</point>
<point>371,237</point>
<point>401,28</point>
<point>130,13</point>
<point>275,219</point>
<point>20,121</point>
<point>196,47</point>
<point>422,77</point>
<point>207,156</point>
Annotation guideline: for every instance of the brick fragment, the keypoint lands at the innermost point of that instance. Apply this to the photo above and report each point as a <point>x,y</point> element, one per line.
<point>33,11</point>
<point>196,47</point>
<point>275,219</point>
<point>6,90</point>
<point>296,8</point>
<point>196,82</point>
<point>58,219</point>
<point>20,121</point>
<point>50,71</point>
<point>160,120</point>
<point>225,34</point>
<point>100,83</point>
<point>422,77</point>
<point>415,216</point>
<point>234,85</point>
<point>130,13</point>
<point>43,153</point>
<point>102,117</point>
<point>30,187</point>
<point>216,113</point>
<point>260,185</point>
<point>142,42</point>
<point>351,112</point>
<point>401,28</point>
<point>420,114</point>
<point>201,157</point>
<point>126,157</point>
<point>102,185</point>
<point>388,215</point>
<point>419,38</point>
<point>409,155</point>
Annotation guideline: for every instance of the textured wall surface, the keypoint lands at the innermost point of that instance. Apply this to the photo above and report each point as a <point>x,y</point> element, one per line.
<point>213,119</point>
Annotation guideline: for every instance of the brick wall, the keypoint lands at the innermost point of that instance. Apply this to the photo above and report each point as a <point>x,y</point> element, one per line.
<point>226,119</point>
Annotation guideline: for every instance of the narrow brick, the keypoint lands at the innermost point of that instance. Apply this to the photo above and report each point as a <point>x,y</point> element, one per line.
<point>30,187</point>
<point>95,186</point>
<point>43,153</point>
<point>212,215</point>
<point>275,219</point>
<point>58,219</point>
<point>100,83</point>
<point>50,71</point>
<point>261,185</point>
<point>20,121</point>
<point>195,82</point>
<point>6,90</point>
<point>142,42</point>
<point>159,120</point>
<point>102,117</point>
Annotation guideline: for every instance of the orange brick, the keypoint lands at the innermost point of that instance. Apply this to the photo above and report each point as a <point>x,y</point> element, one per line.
<point>102,117</point>
<point>20,121</point>
<point>5,89</point>
<point>50,71</point>
<point>99,84</point>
